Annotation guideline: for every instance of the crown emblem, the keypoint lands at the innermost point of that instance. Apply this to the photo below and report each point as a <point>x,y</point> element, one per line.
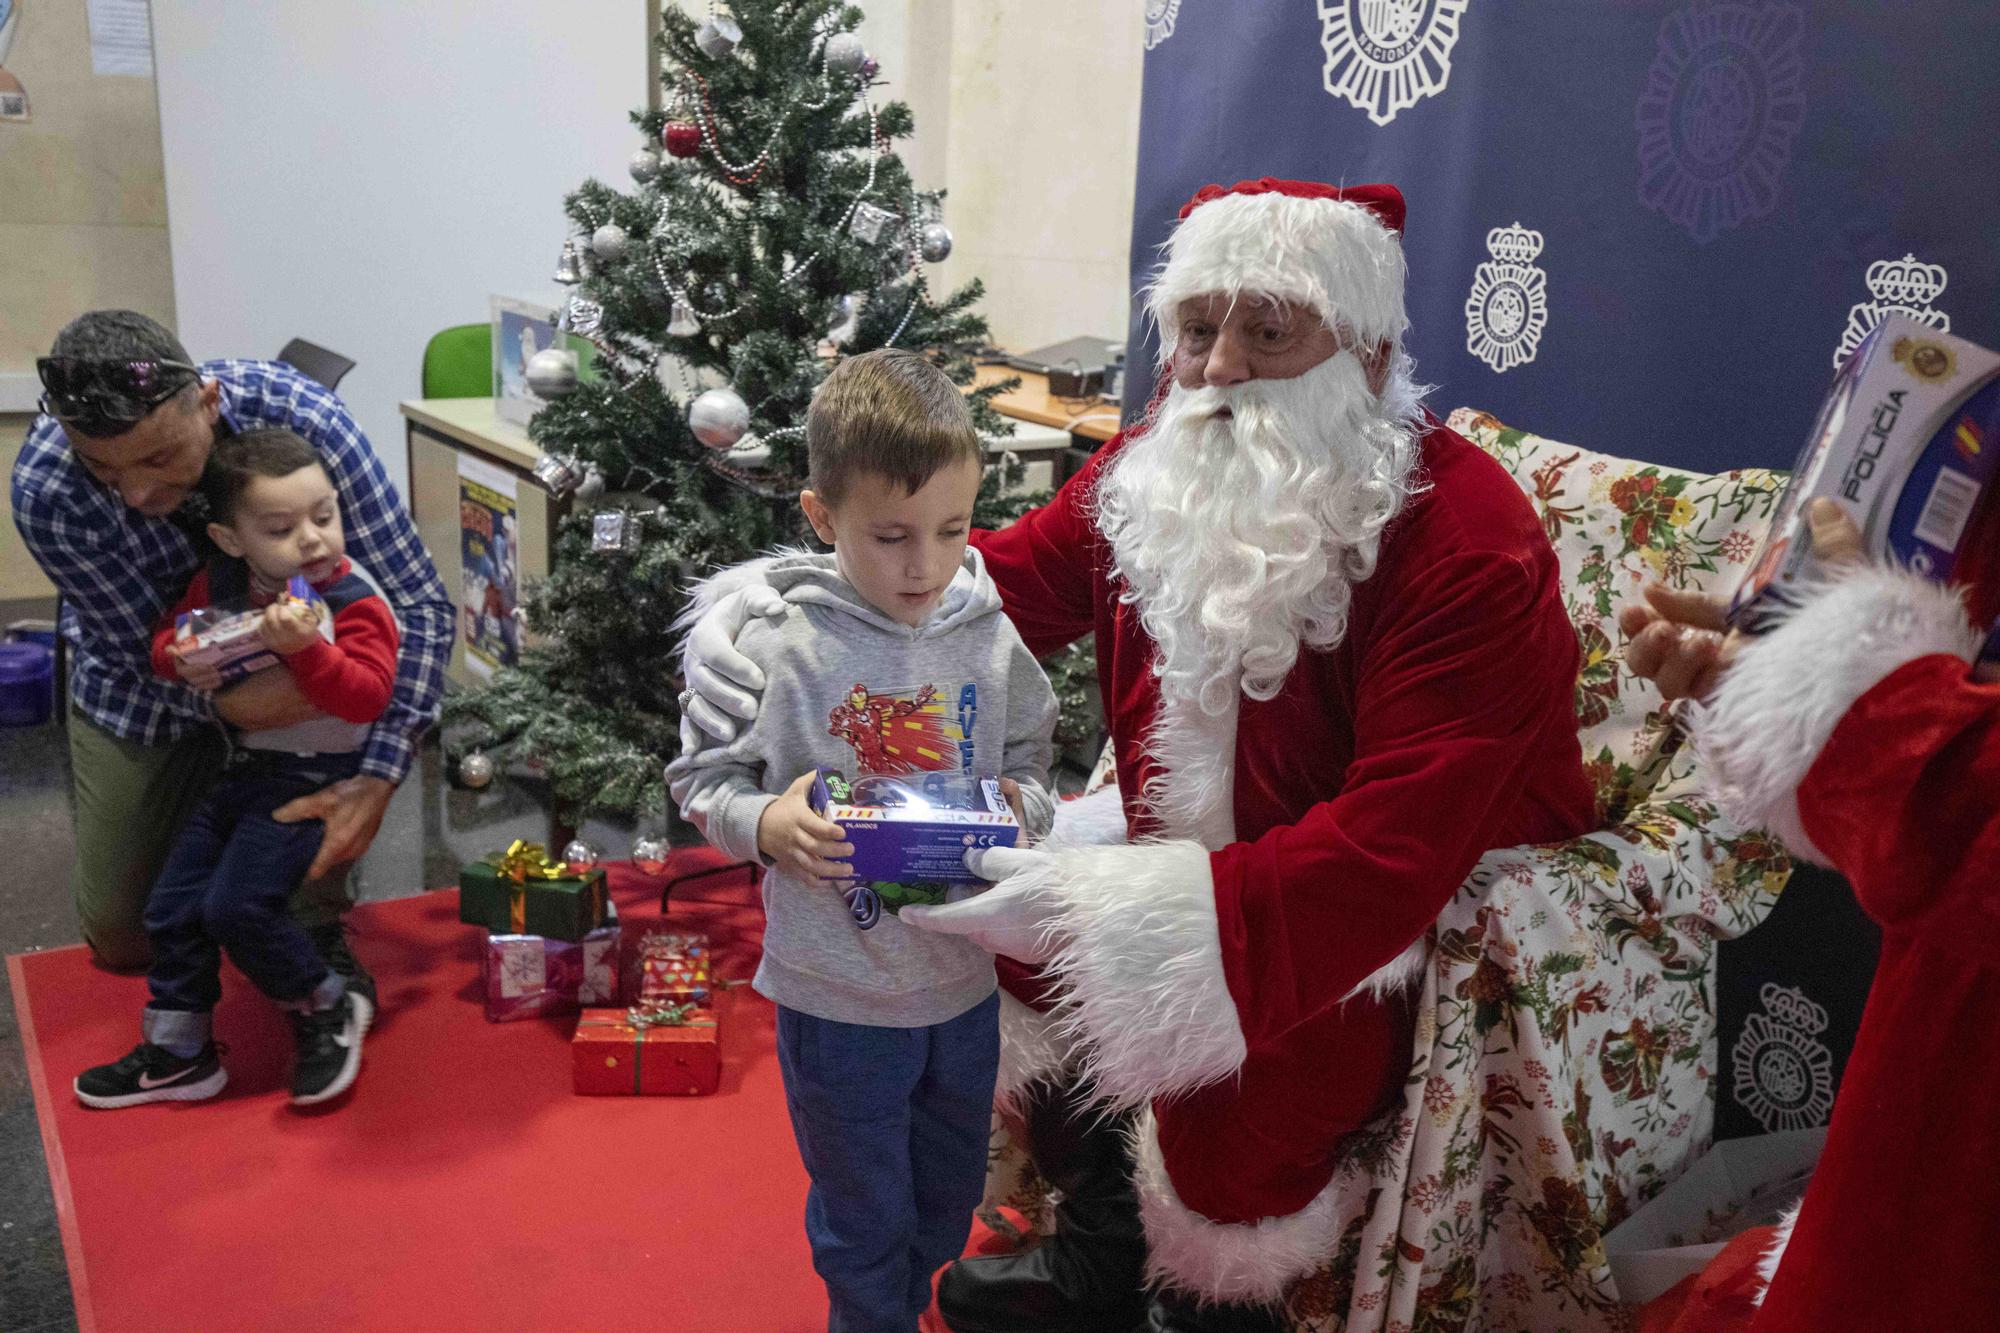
<point>1906,281</point>
<point>1790,1006</point>
<point>1514,245</point>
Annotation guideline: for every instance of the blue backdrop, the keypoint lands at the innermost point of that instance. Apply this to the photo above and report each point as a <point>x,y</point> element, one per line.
<point>1642,226</point>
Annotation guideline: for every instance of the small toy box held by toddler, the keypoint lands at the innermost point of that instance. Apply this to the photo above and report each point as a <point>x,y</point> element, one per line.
<point>910,833</point>
<point>227,640</point>
<point>1908,443</point>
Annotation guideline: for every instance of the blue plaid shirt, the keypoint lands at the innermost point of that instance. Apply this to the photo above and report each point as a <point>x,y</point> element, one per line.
<point>119,571</point>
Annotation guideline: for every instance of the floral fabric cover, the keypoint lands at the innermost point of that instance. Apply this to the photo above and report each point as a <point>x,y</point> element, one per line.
<point>1566,1050</point>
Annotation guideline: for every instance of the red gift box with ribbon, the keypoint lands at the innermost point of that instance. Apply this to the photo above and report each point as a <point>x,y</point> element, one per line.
<point>670,1052</point>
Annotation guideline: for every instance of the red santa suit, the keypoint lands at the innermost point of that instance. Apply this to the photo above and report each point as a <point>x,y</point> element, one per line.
<point>1856,733</point>
<point>1302,846</point>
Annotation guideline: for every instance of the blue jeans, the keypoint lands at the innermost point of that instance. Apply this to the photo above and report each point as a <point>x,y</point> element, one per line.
<point>893,1126</point>
<point>228,880</point>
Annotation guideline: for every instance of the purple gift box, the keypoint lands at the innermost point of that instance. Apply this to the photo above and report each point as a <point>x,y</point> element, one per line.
<point>528,976</point>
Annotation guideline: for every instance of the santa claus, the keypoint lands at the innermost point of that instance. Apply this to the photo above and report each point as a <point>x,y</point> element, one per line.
<point>1337,670</point>
<point>1859,734</point>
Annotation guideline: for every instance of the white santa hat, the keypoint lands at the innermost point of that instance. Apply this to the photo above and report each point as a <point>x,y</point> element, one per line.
<point>1337,250</point>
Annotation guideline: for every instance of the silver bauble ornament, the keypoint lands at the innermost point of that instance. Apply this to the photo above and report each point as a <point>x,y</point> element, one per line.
<point>475,770</point>
<point>934,242</point>
<point>845,54</point>
<point>717,296</point>
<point>609,241</point>
<point>552,372</point>
<point>870,67</point>
<point>719,418</point>
<point>650,855</point>
<point>848,319</point>
<point>644,166</point>
<point>717,36</point>
<point>582,856</point>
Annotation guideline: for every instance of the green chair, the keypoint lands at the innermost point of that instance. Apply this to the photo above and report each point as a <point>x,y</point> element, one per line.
<point>458,363</point>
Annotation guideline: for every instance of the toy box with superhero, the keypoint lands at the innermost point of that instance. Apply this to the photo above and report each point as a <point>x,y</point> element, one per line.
<point>910,833</point>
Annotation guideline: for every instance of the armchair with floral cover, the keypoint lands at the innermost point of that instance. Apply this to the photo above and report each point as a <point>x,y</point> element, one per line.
<point>1565,1055</point>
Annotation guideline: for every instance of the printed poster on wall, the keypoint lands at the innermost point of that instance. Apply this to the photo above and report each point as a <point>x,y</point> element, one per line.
<point>490,563</point>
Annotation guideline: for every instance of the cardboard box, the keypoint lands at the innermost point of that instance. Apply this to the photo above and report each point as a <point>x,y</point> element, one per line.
<point>528,976</point>
<point>1908,442</point>
<point>1741,1183</point>
<point>910,833</point>
<point>227,639</point>
<point>617,1052</point>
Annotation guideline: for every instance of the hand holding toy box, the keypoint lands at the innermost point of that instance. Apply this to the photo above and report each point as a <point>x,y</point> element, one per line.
<point>1908,443</point>
<point>227,640</point>
<point>911,832</point>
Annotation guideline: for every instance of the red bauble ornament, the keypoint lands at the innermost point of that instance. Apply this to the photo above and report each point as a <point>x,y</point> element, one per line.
<point>682,138</point>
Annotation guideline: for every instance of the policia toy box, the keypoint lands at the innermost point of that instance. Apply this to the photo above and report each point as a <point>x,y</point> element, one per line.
<point>226,637</point>
<point>1908,442</point>
<point>910,833</point>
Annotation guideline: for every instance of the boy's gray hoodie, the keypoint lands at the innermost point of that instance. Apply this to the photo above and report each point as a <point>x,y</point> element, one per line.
<point>847,687</point>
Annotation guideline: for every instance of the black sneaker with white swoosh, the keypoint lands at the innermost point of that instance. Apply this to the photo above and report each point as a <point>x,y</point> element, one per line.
<point>153,1074</point>
<point>329,1045</point>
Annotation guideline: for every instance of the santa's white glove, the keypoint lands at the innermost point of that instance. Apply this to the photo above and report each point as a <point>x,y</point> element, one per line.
<point>1012,918</point>
<point>722,684</point>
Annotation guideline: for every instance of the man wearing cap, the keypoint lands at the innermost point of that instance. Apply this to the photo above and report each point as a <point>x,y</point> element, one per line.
<point>1337,670</point>
<point>104,493</point>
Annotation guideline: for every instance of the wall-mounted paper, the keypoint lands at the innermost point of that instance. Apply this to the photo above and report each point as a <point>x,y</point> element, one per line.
<point>121,38</point>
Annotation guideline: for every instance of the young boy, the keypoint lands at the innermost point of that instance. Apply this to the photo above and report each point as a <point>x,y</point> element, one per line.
<point>227,880</point>
<point>892,656</point>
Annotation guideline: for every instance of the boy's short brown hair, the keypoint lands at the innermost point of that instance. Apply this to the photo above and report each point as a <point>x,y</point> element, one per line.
<point>236,460</point>
<point>887,412</point>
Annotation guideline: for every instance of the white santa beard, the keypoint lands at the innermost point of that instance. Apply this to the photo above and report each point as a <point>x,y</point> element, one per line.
<point>1241,538</point>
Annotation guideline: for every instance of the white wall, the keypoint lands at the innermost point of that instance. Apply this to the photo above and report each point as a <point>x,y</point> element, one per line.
<point>363,174</point>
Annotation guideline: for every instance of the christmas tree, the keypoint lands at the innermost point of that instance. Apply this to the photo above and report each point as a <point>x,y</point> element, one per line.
<point>772,230</point>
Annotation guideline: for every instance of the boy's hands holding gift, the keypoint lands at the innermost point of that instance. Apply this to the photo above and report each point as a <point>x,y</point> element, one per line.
<point>288,627</point>
<point>795,838</point>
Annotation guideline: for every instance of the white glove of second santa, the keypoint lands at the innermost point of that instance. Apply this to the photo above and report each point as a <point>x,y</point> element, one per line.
<point>723,686</point>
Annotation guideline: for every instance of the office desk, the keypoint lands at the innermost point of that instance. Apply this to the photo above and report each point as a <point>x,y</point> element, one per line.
<point>1091,421</point>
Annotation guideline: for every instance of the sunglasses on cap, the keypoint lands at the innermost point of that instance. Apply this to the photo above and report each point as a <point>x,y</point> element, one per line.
<point>103,398</point>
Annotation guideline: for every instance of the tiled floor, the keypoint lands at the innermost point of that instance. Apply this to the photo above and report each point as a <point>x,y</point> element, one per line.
<point>430,830</point>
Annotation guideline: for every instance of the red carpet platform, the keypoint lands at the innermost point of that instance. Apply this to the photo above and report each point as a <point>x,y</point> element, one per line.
<point>460,1186</point>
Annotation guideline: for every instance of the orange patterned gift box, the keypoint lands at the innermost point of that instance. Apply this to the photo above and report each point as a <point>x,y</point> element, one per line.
<point>672,1052</point>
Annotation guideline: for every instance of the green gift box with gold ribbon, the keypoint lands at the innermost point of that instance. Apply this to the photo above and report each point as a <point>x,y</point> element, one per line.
<point>522,892</point>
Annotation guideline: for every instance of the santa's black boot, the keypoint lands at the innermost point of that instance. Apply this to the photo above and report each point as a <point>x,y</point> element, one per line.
<point>1177,1312</point>
<point>1088,1276</point>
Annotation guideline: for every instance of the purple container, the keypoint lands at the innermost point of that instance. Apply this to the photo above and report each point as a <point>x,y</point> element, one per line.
<point>27,684</point>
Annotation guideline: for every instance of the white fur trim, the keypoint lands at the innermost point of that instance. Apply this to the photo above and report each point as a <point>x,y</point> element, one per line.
<point>1095,820</point>
<point>1192,794</point>
<point>1399,972</point>
<point>1331,255</point>
<point>1780,700</point>
<point>1138,961</point>
<point>1767,1263</point>
<point>1031,1051</point>
<point>1246,1263</point>
<point>703,594</point>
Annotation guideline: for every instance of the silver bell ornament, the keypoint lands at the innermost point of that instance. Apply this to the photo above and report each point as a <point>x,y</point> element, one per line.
<point>719,418</point>
<point>609,242</point>
<point>845,54</point>
<point>749,453</point>
<point>848,323</point>
<point>644,166</point>
<point>718,36</point>
<point>559,473</point>
<point>569,268</point>
<point>934,242</point>
<point>682,324</point>
<point>650,855</point>
<point>475,770</point>
<point>552,372</point>
<point>582,856</point>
